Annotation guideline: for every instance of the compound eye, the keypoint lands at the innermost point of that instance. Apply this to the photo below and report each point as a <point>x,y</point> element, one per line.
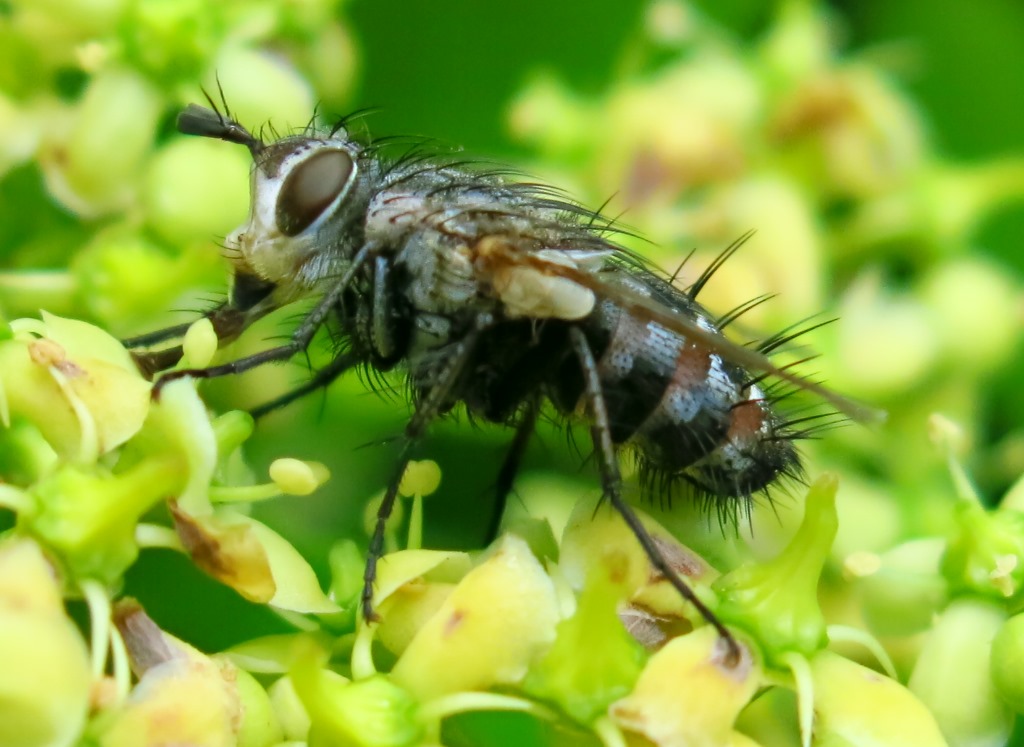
<point>310,188</point>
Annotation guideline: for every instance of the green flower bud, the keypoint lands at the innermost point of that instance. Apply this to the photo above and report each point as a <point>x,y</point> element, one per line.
<point>569,674</point>
<point>262,86</point>
<point>904,590</point>
<point>84,18</point>
<point>330,60</point>
<point>123,277</point>
<point>288,709</point>
<point>25,456</point>
<point>374,712</point>
<point>689,692</point>
<point>195,188</point>
<point>95,170</point>
<point>975,308</point>
<point>258,726</point>
<point>985,553</point>
<point>231,430</point>
<point>857,707</point>
<point>875,328</point>
<point>953,674</point>
<point>347,565</point>
<point>777,601</point>
<point>179,425</point>
<point>498,618</point>
<point>171,39</point>
<point>1008,662</point>
<point>549,117</point>
<point>88,516</point>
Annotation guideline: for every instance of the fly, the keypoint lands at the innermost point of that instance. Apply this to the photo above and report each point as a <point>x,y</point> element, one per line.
<point>500,296</point>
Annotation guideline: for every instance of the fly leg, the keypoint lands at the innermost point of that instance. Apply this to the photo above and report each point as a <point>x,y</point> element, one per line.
<point>509,467</point>
<point>611,484</point>
<point>299,341</point>
<point>429,408</point>
<point>227,321</point>
<point>320,379</point>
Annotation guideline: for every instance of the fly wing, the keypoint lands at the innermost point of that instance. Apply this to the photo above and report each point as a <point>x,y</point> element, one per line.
<point>501,251</point>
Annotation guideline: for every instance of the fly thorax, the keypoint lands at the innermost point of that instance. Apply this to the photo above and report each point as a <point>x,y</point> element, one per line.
<point>442,277</point>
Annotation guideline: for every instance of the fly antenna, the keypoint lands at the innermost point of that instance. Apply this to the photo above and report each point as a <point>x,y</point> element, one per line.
<point>211,122</point>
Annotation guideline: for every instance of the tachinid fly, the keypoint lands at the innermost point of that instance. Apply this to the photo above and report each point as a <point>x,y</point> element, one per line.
<point>497,295</point>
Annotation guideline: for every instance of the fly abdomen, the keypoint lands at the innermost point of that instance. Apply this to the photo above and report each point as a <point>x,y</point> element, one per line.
<point>692,417</point>
<point>690,414</point>
<point>755,451</point>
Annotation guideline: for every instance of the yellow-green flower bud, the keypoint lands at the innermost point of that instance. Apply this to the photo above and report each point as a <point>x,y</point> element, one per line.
<point>123,277</point>
<point>171,39</point>
<point>420,478</point>
<point>199,344</point>
<point>252,559</point>
<point>288,709</point>
<point>986,553</point>
<point>874,329</point>
<point>27,581</point>
<point>75,382</point>
<point>258,725</point>
<point>690,693</point>
<point>976,309</point>
<point>953,675</point>
<point>498,618</point>
<point>296,477</point>
<point>777,601</point>
<point>857,707</point>
<point>45,679</point>
<point>602,540</point>
<point>182,696</point>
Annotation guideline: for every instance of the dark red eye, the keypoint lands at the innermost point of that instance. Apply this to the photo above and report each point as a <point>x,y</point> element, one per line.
<point>310,188</point>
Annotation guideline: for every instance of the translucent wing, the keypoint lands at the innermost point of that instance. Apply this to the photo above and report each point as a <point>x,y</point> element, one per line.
<point>503,251</point>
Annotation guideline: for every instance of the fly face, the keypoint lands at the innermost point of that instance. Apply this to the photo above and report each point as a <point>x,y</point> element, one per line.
<point>299,186</point>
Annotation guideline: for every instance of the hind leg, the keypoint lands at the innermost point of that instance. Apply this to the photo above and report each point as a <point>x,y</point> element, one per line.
<point>611,484</point>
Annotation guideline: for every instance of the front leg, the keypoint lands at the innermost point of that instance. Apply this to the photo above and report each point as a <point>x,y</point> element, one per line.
<point>299,341</point>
